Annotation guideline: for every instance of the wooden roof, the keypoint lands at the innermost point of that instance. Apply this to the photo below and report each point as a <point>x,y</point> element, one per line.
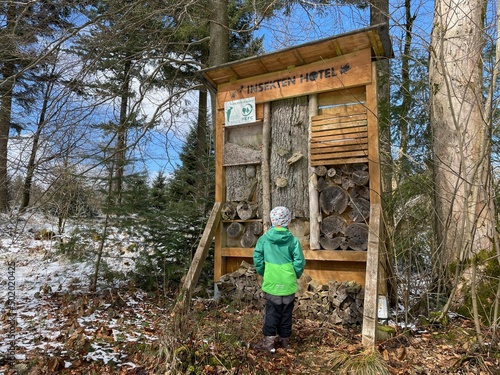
<point>375,37</point>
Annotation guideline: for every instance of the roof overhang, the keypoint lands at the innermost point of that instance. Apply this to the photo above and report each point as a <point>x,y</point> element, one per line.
<point>374,37</point>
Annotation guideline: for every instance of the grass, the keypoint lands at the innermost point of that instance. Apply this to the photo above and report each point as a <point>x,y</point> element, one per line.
<point>365,363</point>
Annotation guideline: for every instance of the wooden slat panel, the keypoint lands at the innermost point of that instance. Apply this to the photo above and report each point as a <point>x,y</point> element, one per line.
<point>344,110</point>
<point>343,132</point>
<point>322,138</point>
<point>339,122</point>
<point>338,134</point>
<point>352,140</point>
<point>349,145</point>
<point>347,96</point>
<point>330,119</point>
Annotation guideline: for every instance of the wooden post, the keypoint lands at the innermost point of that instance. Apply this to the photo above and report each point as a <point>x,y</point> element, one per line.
<point>266,167</point>
<point>194,271</point>
<point>314,213</point>
<point>373,139</point>
<point>220,190</point>
<point>370,309</point>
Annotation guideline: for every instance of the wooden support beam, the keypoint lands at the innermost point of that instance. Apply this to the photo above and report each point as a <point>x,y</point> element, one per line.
<point>370,309</point>
<point>194,271</point>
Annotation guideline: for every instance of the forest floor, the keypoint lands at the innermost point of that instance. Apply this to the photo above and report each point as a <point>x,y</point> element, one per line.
<point>122,331</point>
<point>51,324</point>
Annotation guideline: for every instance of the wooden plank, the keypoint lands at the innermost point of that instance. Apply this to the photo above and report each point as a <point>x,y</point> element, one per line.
<point>373,141</point>
<point>346,130</point>
<point>322,143</point>
<point>220,189</point>
<point>340,155</point>
<point>370,308</point>
<point>325,75</point>
<point>345,96</point>
<point>340,147</point>
<point>323,271</point>
<point>200,255</point>
<point>339,161</point>
<point>343,110</point>
<point>320,255</point>
<point>340,122</point>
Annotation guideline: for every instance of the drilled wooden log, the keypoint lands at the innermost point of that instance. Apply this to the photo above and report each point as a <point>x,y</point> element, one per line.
<point>360,210</point>
<point>320,170</point>
<point>347,182</point>
<point>333,199</point>
<point>235,230</point>
<point>331,172</point>
<point>332,243</point>
<point>332,225</point>
<point>246,210</point>
<point>248,239</point>
<point>357,236</point>
<point>255,227</point>
<point>228,211</point>
<point>360,192</point>
<point>360,178</point>
<point>322,184</point>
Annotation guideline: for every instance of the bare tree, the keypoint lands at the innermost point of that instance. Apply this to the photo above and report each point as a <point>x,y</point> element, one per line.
<point>460,134</point>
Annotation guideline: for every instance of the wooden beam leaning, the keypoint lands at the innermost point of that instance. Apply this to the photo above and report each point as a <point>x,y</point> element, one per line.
<point>314,211</point>
<point>370,309</point>
<point>194,271</point>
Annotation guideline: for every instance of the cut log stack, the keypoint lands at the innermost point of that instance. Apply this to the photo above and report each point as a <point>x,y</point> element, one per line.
<point>344,201</point>
<point>243,233</point>
<point>335,302</point>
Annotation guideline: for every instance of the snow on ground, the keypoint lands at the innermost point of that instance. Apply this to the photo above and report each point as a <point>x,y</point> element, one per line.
<point>53,313</point>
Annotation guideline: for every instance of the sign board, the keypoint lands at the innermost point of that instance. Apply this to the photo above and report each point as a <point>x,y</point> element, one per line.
<point>340,72</point>
<point>240,111</point>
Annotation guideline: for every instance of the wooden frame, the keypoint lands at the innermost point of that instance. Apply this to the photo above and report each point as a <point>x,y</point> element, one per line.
<point>338,75</point>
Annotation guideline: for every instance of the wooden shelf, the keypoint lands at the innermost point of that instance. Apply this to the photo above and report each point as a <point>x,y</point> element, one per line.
<point>241,221</point>
<point>324,255</point>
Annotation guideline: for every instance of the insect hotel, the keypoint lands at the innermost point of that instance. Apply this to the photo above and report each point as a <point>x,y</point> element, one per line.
<point>299,128</point>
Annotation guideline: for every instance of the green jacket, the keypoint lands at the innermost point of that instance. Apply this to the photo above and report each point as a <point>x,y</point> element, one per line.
<point>279,258</point>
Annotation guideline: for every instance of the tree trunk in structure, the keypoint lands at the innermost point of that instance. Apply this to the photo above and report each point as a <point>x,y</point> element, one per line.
<point>289,136</point>
<point>460,134</point>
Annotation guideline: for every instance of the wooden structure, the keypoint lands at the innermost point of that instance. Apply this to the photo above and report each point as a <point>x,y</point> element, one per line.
<point>306,138</point>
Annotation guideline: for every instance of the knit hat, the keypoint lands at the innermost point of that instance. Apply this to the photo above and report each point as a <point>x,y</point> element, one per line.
<point>280,216</point>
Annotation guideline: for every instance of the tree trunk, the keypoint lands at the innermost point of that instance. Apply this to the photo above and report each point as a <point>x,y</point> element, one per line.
<point>6,89</point>
<point>460,135</point>
<point>289,135</point>
<point>30,172</point>
<point>121,140</point>
<point>5,113</point>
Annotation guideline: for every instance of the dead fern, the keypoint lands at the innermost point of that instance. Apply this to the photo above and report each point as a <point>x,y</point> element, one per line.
<point>365,363</point>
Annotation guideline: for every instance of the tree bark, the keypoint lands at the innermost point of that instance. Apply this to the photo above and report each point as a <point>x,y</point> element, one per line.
<point>289,135</point>
<point>460,135</point>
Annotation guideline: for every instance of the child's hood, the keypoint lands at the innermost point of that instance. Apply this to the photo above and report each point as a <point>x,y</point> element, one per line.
<point>279,235</point>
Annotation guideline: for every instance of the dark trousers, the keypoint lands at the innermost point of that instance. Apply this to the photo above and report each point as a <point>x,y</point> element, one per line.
<point>278,316</point>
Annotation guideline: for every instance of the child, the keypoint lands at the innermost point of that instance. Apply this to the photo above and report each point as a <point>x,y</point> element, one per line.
<point>278,257</point>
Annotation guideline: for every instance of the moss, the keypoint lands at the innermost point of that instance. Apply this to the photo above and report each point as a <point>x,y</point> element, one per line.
<point>488,273</point>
